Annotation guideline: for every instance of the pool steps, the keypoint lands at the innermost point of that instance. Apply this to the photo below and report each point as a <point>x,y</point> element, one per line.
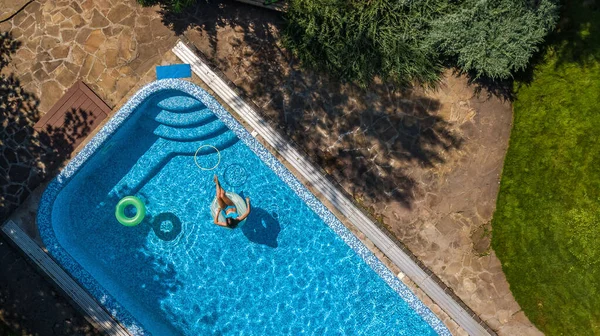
<point>202,132</point>
<point>178,119</point>
<point>180,132</point>
<point>201,127</point>
<point>184,119</point>
<point>179,104</point>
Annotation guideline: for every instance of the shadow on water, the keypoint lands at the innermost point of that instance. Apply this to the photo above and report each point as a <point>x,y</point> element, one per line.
<point>209,317</point>
<point>120,256</point>
<point>138,268</point>
<point>166,226</point>
<point>262,227</point>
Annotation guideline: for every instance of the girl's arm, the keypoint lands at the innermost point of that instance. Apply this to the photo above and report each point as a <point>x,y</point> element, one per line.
<point>216,220</point>
<point>242,217</point>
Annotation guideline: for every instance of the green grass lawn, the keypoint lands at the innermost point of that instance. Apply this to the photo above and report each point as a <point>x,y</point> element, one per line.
<point>546,229</point>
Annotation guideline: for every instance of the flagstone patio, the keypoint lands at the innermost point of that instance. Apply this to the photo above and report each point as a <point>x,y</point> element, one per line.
<point>109,45</point>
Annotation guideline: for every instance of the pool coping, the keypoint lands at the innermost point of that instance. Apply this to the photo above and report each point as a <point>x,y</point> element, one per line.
<point>106,299</point>
<point>425,279</point>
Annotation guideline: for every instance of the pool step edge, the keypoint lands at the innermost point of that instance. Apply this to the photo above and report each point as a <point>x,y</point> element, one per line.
<point>204,131</point>
<point>174,104</point>
<point>182,120</point>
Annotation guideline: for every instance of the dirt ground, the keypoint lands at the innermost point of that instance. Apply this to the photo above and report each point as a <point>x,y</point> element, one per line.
<point>425,163</point>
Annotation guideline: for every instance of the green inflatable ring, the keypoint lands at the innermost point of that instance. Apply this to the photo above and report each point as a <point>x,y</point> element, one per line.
<point>139,207</point>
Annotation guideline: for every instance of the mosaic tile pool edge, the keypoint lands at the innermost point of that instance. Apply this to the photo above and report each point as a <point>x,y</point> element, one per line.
<point>121,314</point>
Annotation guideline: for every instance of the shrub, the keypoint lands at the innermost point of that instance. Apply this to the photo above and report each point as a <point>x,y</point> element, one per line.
<point>407,41</point>
<point>494,38</point>
<point>357,40</point>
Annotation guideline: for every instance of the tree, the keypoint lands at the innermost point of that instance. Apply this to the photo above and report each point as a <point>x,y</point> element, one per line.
<point>357,40</point>
<point>494,38</point>
<point>407,41</point>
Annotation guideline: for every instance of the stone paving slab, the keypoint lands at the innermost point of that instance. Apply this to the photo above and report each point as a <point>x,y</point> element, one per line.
<point>107,44</point>
<point>10,7</point>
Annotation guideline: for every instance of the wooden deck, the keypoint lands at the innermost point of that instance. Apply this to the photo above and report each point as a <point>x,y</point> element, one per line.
<point>78,112</point>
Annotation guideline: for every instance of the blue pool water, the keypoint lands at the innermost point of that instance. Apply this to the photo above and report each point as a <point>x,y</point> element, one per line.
<point>284,271</point>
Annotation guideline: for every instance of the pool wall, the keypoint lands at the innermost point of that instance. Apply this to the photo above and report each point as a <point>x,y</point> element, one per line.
<point>49,238</point>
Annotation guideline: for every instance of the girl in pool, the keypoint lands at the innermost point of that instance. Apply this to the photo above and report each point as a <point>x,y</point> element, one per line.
<point>232,218</point>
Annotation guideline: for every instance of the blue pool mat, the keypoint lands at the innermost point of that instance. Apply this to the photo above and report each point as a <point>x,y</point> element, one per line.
<point>173,71</point>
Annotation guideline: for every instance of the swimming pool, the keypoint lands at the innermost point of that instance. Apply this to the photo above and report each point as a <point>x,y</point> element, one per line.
<point>291,268</point>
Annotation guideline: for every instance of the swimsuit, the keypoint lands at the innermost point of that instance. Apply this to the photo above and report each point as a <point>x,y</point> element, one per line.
<point>232,214</point>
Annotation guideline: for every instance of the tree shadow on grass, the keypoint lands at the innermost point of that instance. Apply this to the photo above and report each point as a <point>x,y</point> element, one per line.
<point>577,36</point>
<point>576,39</point>
<point>369,140</point>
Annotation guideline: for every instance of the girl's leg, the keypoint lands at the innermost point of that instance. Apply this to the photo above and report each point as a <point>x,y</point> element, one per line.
<point>219,191</point>
<point>225,199</point>
<point>222,204</point>
<point>222,198</point>
<point>217,186</point>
